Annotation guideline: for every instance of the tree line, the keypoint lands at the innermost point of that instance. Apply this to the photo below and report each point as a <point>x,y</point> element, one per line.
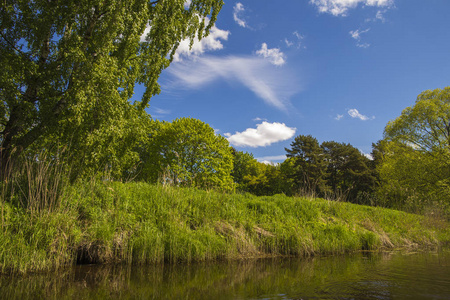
<point>69,69</point>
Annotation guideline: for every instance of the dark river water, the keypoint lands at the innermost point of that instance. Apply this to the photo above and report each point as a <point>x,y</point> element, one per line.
<point>393,275</point>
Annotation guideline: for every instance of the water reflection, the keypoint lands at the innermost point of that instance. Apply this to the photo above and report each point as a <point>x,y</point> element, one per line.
<point>359,276</point>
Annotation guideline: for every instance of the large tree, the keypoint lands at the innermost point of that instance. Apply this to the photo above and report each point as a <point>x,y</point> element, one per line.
<point>415,158</point>
<point>66,63</point>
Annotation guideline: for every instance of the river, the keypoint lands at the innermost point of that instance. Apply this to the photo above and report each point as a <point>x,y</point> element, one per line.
<point>387,275</point>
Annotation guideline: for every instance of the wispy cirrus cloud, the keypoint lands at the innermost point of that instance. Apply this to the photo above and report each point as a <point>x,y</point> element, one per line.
<point>356,35</point>
<point>238,14</point>
<point>159,112</point>
<point>259,119</point>
<point>296,41</point>
<point>263,135</point>
<point>354,113</point>
<point>379,16</point>
<point>273,85</point>
<point>341,7</point>
<point>338,117</point>
<point>274,55</point>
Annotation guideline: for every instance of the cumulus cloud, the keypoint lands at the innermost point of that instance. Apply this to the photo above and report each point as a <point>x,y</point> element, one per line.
<point>341,7</point>
<point>273,85</point>
<point>238,12</point>
<point>274,55</point>
<point>211,42</point>
<point>354,113</point>
<point>368,155</point>
<point>263,135</point>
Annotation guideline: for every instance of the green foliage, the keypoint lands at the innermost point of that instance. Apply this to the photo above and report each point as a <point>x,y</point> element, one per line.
<point>244,165</point>
<point>187,152</point>
<point>70,67</point>
<point>414,157</point>
<point>426,125</point>
<point>256,177</point>
<point>309,164</point>
<point>333,170</point>
<point>348,170</point>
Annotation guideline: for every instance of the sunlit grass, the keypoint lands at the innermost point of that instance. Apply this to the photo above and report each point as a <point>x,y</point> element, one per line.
<point>138,223</point>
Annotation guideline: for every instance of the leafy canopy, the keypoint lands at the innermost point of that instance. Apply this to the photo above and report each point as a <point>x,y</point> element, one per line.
<point>415,154</point>
<point>66,63</point>
<point>187,152</point>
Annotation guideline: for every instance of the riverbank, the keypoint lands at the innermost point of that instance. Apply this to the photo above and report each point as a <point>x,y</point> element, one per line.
<point>138,223</point>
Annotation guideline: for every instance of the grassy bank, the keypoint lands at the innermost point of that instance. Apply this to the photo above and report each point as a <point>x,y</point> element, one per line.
<point>137,223</point>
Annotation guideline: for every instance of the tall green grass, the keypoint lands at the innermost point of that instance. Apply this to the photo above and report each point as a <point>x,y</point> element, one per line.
<point>139,223</point>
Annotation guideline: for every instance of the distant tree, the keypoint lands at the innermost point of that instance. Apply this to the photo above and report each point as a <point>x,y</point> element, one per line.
<point>68,64</point>
<point>309,164</point>
<point>187,152</point>
<point>256,177</point>
<point>244,165</point>
<point>348,171</point>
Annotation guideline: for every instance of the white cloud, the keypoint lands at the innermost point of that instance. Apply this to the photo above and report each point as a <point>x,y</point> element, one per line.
<point>356,34</point>
<point>298,35</point>
<point>338,117</point>
<point>354,113</point>
<point>341,7</point>
<point>145,33</point>
<point>288,43</point>
<point>161,111</point>
<point>275,56</point>
<point>209,43</point>
<point>297,42</point>
<point>259,119</point>
<point>368,155</point>
<point>238,11</point>
<point>263,135</point>
<point>266,162</point>
<point>274,85</point>
<point>363,45</point>
<point>271,159</point>
<point>379,16</point>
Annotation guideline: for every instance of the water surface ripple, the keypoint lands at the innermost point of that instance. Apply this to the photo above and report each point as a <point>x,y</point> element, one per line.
<point>393,275</point>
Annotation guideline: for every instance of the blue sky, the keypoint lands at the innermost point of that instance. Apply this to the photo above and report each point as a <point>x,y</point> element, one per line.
<point>336,69</point>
